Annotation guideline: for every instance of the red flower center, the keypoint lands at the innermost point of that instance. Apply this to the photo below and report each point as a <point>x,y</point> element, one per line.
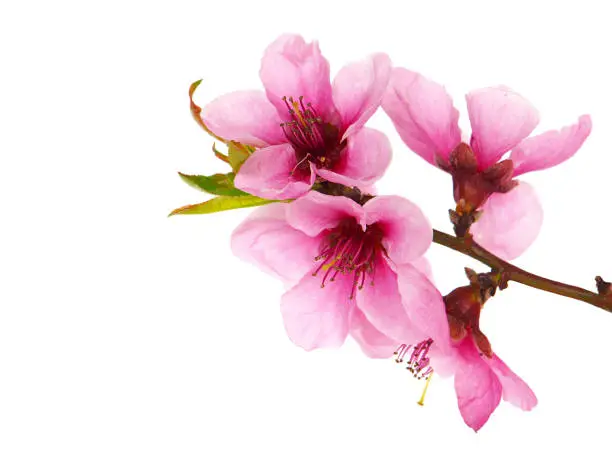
<point>418,360</point>
<point>313,139</point>
<point>349,250</point>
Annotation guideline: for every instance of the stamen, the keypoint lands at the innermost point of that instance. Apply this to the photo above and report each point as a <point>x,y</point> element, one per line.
<point>418,364</point>
<point>400,353</point>
<point>349,250</point>
<point>307,133</point>
<point>287,103</point>
<point>297,166</point>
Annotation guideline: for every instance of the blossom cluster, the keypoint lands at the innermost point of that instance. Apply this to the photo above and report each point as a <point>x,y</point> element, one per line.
<point>353,262</point>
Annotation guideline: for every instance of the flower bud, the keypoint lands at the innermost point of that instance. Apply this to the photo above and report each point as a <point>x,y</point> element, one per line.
<point>463,306</point>
<point>603,288</point>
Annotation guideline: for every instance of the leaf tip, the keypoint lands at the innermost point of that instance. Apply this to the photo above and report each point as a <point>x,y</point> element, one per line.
<point>179,210</point>
<point>194,86</point>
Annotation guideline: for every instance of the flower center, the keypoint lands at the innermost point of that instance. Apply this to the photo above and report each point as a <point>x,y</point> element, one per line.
<point>349,250</point>
<point>418,360</point>
<point>312,139</point>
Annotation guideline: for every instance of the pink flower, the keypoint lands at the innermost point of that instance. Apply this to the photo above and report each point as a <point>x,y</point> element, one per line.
<point>426,120</point>
<point>303,125</point>
<point>482,379</point>
<point>345,264</point>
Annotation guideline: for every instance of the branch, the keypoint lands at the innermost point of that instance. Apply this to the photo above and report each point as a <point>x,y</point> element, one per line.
<point>468,247</point>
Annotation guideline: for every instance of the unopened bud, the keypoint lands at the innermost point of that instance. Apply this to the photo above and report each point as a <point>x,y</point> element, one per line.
<point>604,288</point>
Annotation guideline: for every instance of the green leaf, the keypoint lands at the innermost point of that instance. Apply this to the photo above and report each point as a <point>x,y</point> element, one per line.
<point>220,204</point>
<point>237,154</point>
<point>219,184</point>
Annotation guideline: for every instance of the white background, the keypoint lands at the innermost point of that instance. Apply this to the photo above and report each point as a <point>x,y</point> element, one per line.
<point>125,334</point>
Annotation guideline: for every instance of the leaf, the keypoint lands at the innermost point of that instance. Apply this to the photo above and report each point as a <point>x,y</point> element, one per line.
<point>219,184</point>
<point>220,155</point>
<point>196,110</point>
<point>237,154</point>
<point>220,204</point>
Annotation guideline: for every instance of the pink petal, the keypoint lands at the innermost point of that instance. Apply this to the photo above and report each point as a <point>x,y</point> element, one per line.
<point>364,160</point>
<point>317,317</point>
<point>514,389</point>
<point>373,343</point>
<point>550,148</point>
<point>358,90</point>
<point>407,232</point>
<point>266,240</point>
<point>317,212</point>
<point>424,267</point>
<point>269,173</point>
<point>423,114</point>
<point>381,303</point>
<point>291,67</point>
<point>478,389</point>
<point>444,362</point>
<point>424,305</point>
<point>500,119</point>
<point>510,222</point>
<point>246,117</point>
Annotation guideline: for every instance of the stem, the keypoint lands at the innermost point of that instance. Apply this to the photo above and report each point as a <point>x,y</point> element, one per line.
<point>468,247</point>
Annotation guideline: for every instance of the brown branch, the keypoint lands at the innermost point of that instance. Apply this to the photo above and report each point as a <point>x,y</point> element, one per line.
<point>468,247</point>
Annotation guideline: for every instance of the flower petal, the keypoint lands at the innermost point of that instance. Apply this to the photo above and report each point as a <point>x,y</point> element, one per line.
<point>266,240</point>
<point>317,317</point>
<point>244,116</point>
<point>423,114</point>
<point>550,148</point>
<point>478,389</point>
<point>407,232</point>
<point>291,67</point>
<point>317,212</point>
<point>444,363</point>
<point>363,161</point>
<point>510,222</point>
<point>372,342</point>
<point>500,119</point>
<point>424,267</point>
<point>424,305</point>
<point>268,173</point>
<point>381,303</point>
<point>514,389</point>
<point>358,89</point>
